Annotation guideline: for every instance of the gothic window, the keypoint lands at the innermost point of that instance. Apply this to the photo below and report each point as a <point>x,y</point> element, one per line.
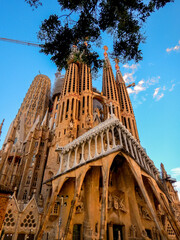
<point>67,106</point>
<point>170,231</point>
<point>29,221</point>
<point>35,179</point>
<point>15,140</point>
<point>129,122</point>
<point>54,125</point>
<point>79,107</point>
<point>55,115</point>
<point>56,106</point>
<point>77,232</point>
<point>72,104</point>
<point>32,161</point>
<point>62,112</point>
<point>25,195</point>
<point>9,219</point>
<point>29,177</point>
<point>42,144</point>
<point>87,104</point>
<point>38,161</point>
<point>56,207</point>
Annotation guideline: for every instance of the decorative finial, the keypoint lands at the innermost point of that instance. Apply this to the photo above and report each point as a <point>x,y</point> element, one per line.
<point>86,44</point>
<point>116,66</point>
<point>105,51</point>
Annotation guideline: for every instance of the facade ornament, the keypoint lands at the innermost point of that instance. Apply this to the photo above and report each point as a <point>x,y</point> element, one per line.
<point>133,231</point>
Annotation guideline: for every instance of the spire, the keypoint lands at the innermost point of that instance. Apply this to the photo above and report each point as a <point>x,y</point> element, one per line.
<point>109,87</point>
<point>109,84</point>
<point>127,114</point>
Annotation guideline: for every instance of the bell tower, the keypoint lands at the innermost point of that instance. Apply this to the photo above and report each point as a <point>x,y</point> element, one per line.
<point>109,87</point>
<point>127,114</point>
<point>69,108</point>
<point>86,102</point>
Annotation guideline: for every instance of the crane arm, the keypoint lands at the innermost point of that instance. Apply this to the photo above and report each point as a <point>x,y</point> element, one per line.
<point>19,42</point>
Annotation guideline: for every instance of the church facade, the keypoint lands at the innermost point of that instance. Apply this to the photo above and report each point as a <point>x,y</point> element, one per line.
<point>77,168</point>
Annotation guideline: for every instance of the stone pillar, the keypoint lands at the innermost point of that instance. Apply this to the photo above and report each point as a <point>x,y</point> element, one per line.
<point>61,160</point>
<point>89,149</point>
<point>103,223</point>
<point>102,143</point>
<point>96,153</point>
<point>120,137</point>
<point>82,156</point>
<point>75,157</point>
<point>68,161</point>
<point>113,137</point>
<point>125,140</point>
<point>108,145</point>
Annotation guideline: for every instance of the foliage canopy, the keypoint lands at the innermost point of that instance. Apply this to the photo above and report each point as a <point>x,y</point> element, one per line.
<point>87,19</point>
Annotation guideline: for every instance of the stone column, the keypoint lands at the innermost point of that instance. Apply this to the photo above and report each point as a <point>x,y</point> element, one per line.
<point>113,137</point>
<point>96,153</point>
<point>102,143</point>
<point>130,143</point>
<point>75,157</point>
<point>82,156</point>
<point>68,161</point>
<point>125,140</point>
<point>89,149</point>
<point>108,145</point>
<point>120,137</point>
<point>137,157</point>
<point>61,160</point>
<point>103,222</point>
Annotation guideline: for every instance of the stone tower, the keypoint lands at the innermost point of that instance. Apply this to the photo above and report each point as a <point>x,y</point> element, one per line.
<point>109,87</point>
<point>30,114</point>
<point>127,114</point>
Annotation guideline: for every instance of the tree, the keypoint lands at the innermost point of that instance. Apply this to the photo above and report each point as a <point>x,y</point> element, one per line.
<point>85,22</point>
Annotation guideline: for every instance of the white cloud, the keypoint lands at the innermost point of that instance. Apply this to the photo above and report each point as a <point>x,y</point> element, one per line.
<point>175,48</point>
<point>152,80</point>
<point>138,88</point>
<point>133,66</point>
<point>177,187</point>
<point>128,77</point>
<point>160,96</point>
<point>175,172</point>
<point>172,87</point>
<point>157,95</point>
<point>156,92</point>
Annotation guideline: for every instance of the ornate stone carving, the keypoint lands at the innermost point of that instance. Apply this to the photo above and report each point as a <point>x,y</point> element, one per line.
<point>144,212</point>
<point>70,129</point>
<point>79,207</point>
<point>87,233</point>
<point>116,201</point>
<point>132,231</point>
<point>88,122</point>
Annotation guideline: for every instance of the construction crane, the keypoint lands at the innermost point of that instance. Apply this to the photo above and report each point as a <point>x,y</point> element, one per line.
<point>19,42</point>
<point>131,85</point>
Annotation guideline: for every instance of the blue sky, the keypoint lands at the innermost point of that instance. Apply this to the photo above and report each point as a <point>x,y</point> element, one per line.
<point>155,98</point>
